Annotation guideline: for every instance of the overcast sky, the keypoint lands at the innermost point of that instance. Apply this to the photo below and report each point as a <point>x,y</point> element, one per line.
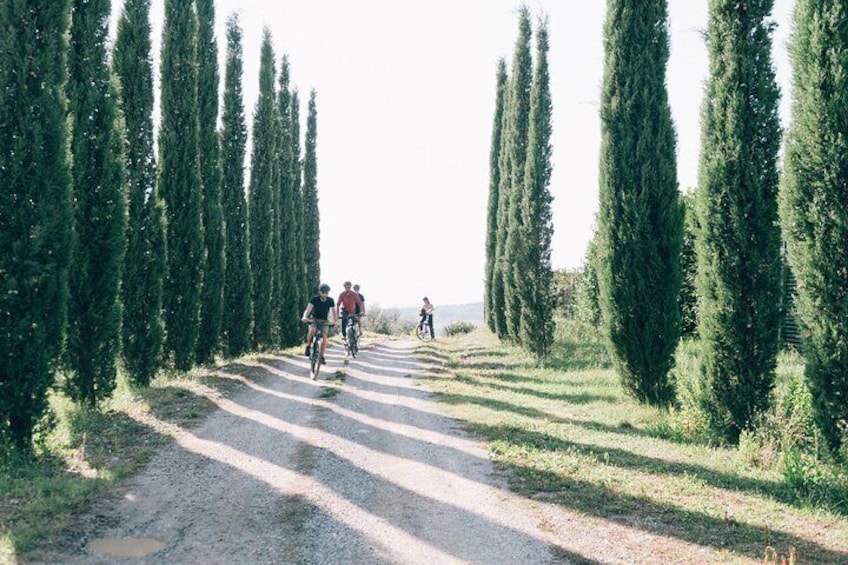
<point>405,99</point>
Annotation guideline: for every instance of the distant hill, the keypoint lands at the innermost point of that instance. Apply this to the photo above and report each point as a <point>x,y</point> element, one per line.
<point>446,315</point>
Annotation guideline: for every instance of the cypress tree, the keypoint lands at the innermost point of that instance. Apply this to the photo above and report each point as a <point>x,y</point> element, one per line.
<point>812,204</point>
<point>689,269</point>
<point>516,145</point>
<point>511,169</point>
<point>179,181</point>
<point>311,219</point>
<point>145,262</point>
<point>296,172</point>
<point>498,311</point>
<point>238,323</point>
<point>494,184</point>
<point>290,304</point>
<point>738,244</point>
<point>532,272</point>
<point>261,203</point>
<point>97,145</point>
<point>212,297</point>
<point>36,222</point>
<point>641,217</point>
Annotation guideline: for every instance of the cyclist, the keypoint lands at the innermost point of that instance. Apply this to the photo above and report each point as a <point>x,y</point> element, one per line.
<point>426,314</point>
<point>318,311</point>
<point>347,306</point>
<point>359,312</point>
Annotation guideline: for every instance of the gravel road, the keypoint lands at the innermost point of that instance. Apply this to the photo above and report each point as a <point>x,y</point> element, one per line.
<point>359,467</point>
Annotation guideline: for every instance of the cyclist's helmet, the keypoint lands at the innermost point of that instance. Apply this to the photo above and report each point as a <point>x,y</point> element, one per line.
<point>324,288</point>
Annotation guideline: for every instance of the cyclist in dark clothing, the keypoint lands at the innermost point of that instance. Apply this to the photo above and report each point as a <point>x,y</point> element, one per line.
<point>359,311</point>
<point>318,313</point>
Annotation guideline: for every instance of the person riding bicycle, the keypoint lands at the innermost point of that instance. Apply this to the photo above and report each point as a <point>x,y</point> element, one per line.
<point>359,311</point>
<point>426,314</point>
<point>318,313</point>
<point>348,306</point>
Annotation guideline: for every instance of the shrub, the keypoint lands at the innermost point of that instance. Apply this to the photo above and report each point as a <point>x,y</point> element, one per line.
<point>386,322</point>
<point>457,328</point>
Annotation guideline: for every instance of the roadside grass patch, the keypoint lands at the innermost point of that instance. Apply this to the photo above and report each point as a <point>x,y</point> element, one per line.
<point>565,433</point>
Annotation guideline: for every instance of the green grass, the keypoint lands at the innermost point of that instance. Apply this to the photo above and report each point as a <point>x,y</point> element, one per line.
<point>565,433</point>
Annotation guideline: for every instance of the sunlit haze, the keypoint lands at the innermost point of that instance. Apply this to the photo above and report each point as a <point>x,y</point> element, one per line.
<point>405,102</point>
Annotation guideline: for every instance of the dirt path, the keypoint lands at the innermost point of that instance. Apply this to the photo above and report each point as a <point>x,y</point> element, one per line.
<point>359,467</point>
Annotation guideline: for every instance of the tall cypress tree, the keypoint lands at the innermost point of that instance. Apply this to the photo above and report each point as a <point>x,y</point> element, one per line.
<point>641,217</point>
<point>512,161</point>
<point>738,242</point>
<point>35,197</point>
<point>311,219</point>
<point>290,296</point>
<point>97,145</point>
<point>494,184</point>
<point>517,145</point>
<point>145,262</point>
<point>238,323</point>
<point>532,272</point>
<point>179,181</point>
<point>812,203</point>
<point>212,297</point>
<point>296,172</point>
<point>262,189</point>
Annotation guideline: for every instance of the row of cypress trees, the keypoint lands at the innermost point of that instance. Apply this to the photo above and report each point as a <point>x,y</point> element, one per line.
<point>518,293</point>
<point>113,257</point>
<point>740,206</point>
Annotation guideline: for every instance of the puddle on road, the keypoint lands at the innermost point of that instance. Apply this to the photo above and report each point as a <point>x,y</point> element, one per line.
<point>126,547</point>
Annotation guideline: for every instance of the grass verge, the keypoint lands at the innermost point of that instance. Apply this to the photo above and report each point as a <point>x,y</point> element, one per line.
<point>565,433</point>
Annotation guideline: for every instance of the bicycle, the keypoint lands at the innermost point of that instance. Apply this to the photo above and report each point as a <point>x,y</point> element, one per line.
<point>315,348</point>
<point>351,341</point>
<point>423,330</point>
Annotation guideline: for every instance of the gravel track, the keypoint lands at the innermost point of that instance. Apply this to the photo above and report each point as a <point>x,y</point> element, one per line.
<point>359,467</point>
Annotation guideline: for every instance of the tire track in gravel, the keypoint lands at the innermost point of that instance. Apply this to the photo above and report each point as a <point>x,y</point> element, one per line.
<point>359,467</point>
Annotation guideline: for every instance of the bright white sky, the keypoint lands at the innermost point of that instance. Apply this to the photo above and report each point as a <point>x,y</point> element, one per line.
<point>405,100</point>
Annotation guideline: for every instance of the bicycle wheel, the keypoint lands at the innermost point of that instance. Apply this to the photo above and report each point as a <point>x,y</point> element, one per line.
<point>352,343</point>
<point>315,359</point>
<point>423,332</point>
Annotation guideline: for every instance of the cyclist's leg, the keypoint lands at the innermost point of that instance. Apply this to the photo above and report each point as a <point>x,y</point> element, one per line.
<point>325,330</point>
<point>430,324</point>
<point>309,336</point>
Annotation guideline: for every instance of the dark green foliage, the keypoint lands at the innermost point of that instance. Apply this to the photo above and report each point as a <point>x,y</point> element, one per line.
<point>238,321</point>
<point>145,262</point>
<point>494,184</point>
<point>813,204</point>
<point>144,266</point>
<point>304,286</point>
<point>262,196</point>
<point>35,200</point>
<point>97,145</point>
<point>212,297</point>
<point>179,181</point>
<point>311,232</point>
<point>513,153</point>
<point>532,275</point>
<point>738,242</point>
<point>290,303</point>
<point>512,212</point>
<point>587,307</point>
<point>689,269</point>
<point>641,217</point>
